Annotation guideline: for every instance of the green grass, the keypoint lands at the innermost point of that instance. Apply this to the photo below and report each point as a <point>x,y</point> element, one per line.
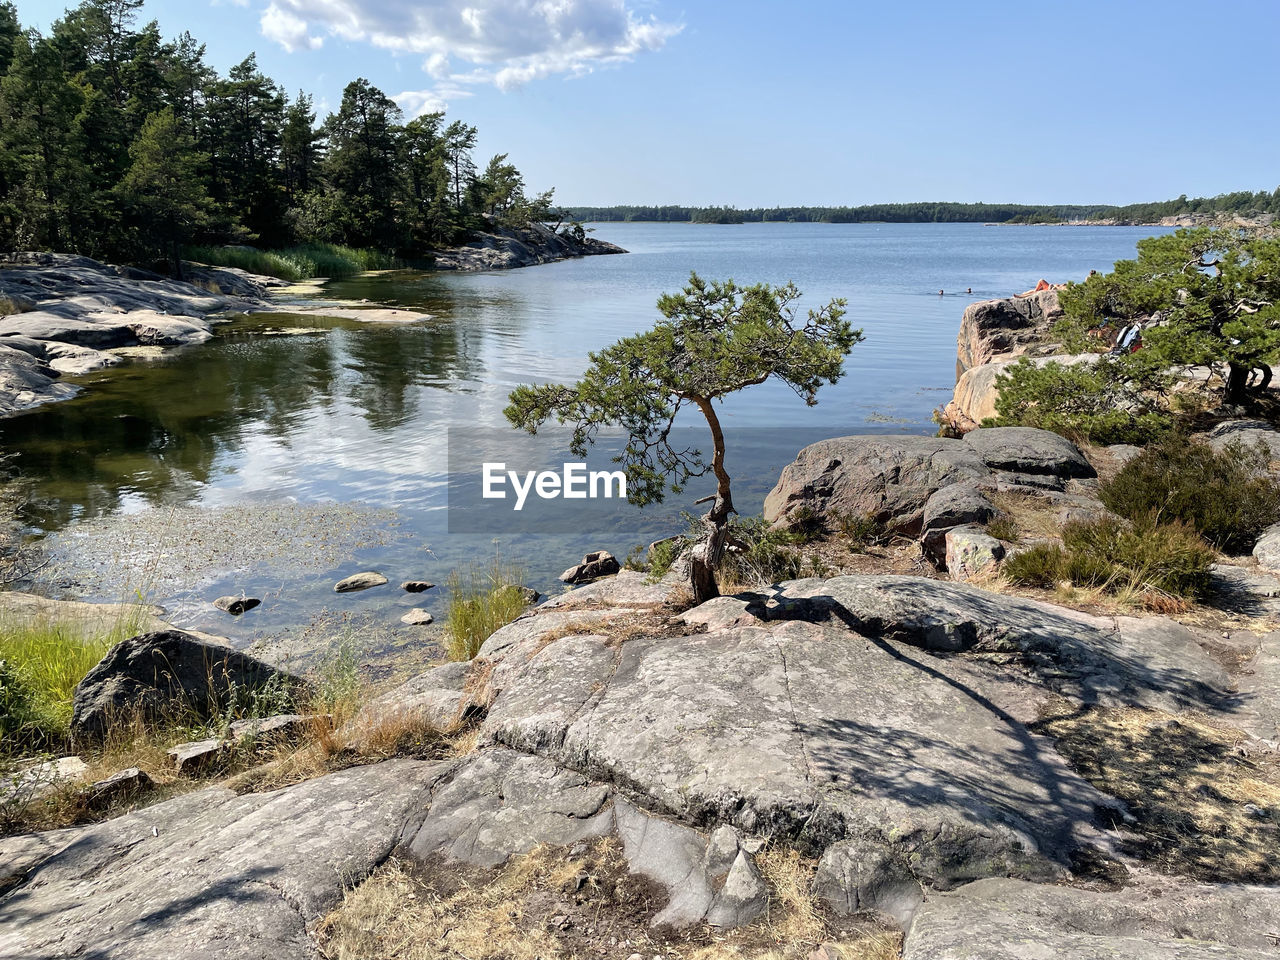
<point>296,263</point>
<point>40,664</point>
<point>481,599</point>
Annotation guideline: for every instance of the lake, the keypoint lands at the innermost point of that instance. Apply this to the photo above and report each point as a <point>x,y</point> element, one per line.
<point>287,452</point>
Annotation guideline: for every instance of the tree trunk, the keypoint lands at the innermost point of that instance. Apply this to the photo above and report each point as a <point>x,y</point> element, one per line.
<point>1237,384</point>
<point>706,556</point>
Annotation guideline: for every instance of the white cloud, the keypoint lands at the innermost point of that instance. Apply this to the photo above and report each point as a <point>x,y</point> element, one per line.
<point>287,29</point>
<point>506,43</point>
<point>234,3</point>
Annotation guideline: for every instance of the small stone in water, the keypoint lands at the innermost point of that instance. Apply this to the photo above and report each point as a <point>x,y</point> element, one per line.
<point>236,605</point>
<point>359,581</point>
<point>416,586</point>
<point>417,617</point>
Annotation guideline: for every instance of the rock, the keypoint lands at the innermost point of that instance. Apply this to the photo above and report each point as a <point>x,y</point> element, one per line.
<point>1245,592</point>
<point>40,779</point>
<point>887,477</point>
<point>808,731</point>
<point>1267,550</point>
<point>162,671</point>
<point>959,503</point>
<point>602,563</point>
<point>855,876</point>
<point>970,550</point>
<point>417,617</point>
<point>503,248</point>
<point>1153,662</point>
<point>1029,451</point>
<point>236,605</point>
<point>198,756</point>
<point>629,589</point>
<point>416,586</point>
<point>283,727</point>
<point>1246,432</point>
<point>1004,328</point>
<point>438,699</point>
<point>1259,713</point>
<point>1122,453</point>
<point>359,581</point>
<point>502,803</point>
<point>1156,919</point>
<point>211,873</point>
<point>121,786</point>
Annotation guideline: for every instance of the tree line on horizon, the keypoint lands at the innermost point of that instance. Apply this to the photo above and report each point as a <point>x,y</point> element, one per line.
<point>117,144</point>
<point>1241,203</point>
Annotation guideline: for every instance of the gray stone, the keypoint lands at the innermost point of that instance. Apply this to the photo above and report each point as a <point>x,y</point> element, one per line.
<point>157,672</point>
<point>37,780</point>
<point>416,586</point>
<point>855,876</point>
<point>1153,662</point>
<point>807,731</point>
<point>236,605</point>
<point>210,874</point>
<point>437,699</point>
<point>501,803</point>
<point>595,565</point>
<point>199,756</point>
<point>283,727</point>
<point>1267,549</point>
<point>969,551</point>
<point>889,478</point>
<point>417,617</point>
<point>1250,593</point>
<point>959,503</point>
<point>359,581</point>
<point>1122,453</point>
<point>1155,919</point>
<point>1029,451</point>
<point>1249,433</point>
<point>120,786</point>
<point>1259,713</point>
<point>629,589</point>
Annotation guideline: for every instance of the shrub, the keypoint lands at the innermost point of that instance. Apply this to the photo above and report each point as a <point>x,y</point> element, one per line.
<point>1004,527</point>
<point>1113,400</point>
<point>1116,556</point>
<point>763,555</point>
<point>296,263</point>
<point>481,600</point>
<point>1229,498</point>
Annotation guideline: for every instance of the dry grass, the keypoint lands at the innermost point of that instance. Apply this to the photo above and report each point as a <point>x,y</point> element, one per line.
<point>1202,806</point>
<point>1030,516</point>
<point>556,904</point>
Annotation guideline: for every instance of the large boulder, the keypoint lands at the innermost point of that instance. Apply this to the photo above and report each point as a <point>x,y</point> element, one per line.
<point>887,477</point>
<point>1027,450</point>
<point>1005,328</point>
<point>210,875</point>
<point>169,671</point>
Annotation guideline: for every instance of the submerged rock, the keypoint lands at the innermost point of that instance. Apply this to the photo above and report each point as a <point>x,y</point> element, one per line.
<point>416,586</point>
<point>236,605</point>
<point>359,581</point>
<point>417,617</point>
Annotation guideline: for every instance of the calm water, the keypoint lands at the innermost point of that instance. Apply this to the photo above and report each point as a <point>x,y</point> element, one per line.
<point>268,431</point>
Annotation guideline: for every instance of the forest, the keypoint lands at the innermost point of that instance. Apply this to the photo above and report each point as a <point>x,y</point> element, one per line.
<point>1243,203</point>
<point>121,145</point>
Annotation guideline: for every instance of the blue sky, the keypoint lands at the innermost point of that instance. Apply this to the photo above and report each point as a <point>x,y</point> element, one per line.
<point>758,103</point>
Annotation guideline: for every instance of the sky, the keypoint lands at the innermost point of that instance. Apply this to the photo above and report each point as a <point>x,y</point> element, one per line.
<point>754,103</point>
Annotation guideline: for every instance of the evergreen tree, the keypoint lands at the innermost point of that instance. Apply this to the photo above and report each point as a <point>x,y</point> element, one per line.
<point>162,188</point>
<point>362,169</point>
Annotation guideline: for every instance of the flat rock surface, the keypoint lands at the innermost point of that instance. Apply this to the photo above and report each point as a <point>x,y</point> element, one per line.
<point>210,874</point>
<point>1267,549</point>
<point>806,731</point>
<point>1028,450</point>
<point>1157,919</point>
<point>1247,432</point>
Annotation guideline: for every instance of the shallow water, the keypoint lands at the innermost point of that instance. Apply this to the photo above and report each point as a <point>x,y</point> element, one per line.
<point>265,423</point>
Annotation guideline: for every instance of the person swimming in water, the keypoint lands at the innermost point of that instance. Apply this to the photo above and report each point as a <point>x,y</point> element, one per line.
<point>939,293</point>
<point>970,290</point>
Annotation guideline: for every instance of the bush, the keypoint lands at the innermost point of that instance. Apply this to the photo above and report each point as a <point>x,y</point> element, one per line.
<point>1229,498</point>
<point>1113,400</point>
<point>1116,556</point>
<point>764,555</point>
<point>480,601</point>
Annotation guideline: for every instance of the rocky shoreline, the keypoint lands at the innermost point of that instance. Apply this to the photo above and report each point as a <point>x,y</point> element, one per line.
<point>63,315</point>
